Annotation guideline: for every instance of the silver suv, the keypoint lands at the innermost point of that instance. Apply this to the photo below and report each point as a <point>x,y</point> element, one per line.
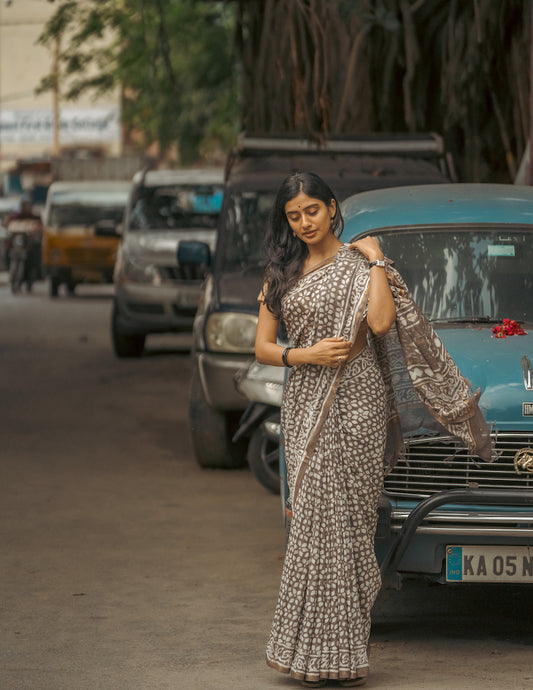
<point>154,292</point>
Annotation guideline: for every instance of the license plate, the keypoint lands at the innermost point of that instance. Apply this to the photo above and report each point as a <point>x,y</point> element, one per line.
<point>489,564</point>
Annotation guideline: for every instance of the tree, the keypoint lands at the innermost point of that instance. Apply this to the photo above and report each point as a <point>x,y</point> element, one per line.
<point>328,67</point>
<point>172,60</point>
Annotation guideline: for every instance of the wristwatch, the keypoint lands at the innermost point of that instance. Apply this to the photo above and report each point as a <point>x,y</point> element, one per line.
<point>379,262</point>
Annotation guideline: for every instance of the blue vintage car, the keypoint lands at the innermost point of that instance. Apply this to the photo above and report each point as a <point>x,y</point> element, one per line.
<point>466,254</point>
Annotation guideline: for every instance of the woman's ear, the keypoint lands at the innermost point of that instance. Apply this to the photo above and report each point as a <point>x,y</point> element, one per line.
<point>332,209</point>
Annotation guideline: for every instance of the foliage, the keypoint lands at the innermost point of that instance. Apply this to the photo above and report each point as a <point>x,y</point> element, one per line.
<point>458,67</point>
<point>171,59</point>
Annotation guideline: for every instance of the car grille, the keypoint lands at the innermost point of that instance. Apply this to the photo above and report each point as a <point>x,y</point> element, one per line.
<point>178,274</point>
<point>184,311</point>
<point>438,464</point>
<point>146,308</point>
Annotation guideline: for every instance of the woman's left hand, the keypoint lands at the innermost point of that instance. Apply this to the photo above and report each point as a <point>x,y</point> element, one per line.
<point>369,246</point>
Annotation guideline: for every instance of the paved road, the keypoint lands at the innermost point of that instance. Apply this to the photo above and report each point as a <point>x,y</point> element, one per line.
<point>123,566</point>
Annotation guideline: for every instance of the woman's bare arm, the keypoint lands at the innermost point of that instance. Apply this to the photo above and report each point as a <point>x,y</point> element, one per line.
<point>381,310</point>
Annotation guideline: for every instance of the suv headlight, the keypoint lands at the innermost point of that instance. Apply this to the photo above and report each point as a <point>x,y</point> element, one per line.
<point>231,332</point>
<point>136,272</point>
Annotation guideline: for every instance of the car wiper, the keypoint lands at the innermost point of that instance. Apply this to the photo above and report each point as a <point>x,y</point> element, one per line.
<point>465,319</point>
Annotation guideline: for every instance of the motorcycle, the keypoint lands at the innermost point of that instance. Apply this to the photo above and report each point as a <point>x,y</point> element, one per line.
<point>20,270</point>
<point>23,248</point>
<point>262,384</point>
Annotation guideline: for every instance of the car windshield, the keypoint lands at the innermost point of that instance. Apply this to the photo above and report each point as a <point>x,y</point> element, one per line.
<point>466,274</point>
<point>245,223</point>
<point>176,207</point>
<point>86,207</point>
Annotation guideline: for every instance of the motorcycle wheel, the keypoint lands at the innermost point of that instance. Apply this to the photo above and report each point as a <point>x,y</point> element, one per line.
<point>263,457</point>
<point>16,275</point>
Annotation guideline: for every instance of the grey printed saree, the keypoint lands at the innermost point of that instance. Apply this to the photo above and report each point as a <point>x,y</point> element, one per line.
<point>342,431</point>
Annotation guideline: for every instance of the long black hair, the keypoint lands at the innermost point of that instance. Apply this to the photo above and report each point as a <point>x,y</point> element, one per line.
<point>286,253</point>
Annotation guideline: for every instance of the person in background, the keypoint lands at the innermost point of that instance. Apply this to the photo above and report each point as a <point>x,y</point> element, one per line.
<point>28,222</point>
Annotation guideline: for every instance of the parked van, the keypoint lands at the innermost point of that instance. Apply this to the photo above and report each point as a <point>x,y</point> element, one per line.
<point>80,238</point>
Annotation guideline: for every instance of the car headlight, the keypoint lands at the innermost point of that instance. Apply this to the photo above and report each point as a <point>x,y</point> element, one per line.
<point>231,332</point>
<point>135,272</point>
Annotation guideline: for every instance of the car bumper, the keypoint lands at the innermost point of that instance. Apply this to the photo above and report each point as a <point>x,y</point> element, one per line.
<point>217,374</point>
<point>415,541</point>
<point>156,309</point>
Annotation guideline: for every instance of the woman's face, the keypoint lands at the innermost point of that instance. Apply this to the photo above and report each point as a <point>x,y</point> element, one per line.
<point>309,218</point>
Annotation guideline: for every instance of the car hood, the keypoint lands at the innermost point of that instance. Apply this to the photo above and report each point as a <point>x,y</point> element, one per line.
<point>162,245</point>
<point>240,289</point>
<point>495,366</point>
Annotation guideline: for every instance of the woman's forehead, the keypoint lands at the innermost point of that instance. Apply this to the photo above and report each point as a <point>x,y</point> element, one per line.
<point>301,201</point>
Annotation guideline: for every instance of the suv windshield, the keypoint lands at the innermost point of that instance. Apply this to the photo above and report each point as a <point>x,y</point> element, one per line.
<point>466,274</point>
<point>245,223</point>
<point>176,207</point>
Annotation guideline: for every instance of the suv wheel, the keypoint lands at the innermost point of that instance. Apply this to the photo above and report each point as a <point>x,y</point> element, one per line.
<point>211,432</point>
<point>125,344</point>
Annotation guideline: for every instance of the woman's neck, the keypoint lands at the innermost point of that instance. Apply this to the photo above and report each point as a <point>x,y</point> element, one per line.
<point>324,250</point>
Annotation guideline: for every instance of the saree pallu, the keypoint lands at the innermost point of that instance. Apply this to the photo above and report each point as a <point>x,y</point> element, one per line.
<point>342,431</point>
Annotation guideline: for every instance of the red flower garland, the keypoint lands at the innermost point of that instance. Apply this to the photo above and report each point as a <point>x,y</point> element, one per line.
<point>508,327</point>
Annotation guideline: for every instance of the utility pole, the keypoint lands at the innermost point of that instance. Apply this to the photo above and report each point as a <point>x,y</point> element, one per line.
<point>55,97</point>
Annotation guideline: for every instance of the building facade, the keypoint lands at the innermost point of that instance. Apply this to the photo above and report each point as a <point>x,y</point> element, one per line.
<point>40,126</point>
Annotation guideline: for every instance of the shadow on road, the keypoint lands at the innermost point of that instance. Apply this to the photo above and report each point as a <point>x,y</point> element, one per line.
<point>421,611</point>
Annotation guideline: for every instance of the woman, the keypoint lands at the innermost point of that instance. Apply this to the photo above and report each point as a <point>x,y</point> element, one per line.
<point>338,416</point>
<point>334,448</point>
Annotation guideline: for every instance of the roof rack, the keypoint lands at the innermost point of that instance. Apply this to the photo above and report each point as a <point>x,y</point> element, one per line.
<point>383,143</point>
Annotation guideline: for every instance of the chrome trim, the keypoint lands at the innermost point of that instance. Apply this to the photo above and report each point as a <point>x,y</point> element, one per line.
<point>527,373</point>
<point>471,531</point>
<point>469,524</point>
<point>460,516</point>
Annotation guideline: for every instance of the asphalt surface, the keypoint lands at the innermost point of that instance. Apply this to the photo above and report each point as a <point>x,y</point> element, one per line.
<point>124,566</point>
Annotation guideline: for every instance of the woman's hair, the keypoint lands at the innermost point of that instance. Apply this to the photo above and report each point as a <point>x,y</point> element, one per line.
<point>286,253</point>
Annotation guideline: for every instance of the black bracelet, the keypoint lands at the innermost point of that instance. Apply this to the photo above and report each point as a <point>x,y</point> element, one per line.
<point>284,356</point>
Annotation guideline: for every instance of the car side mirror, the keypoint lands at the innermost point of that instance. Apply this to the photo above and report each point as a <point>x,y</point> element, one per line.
<point>106,228</point>
<point>194,259</point>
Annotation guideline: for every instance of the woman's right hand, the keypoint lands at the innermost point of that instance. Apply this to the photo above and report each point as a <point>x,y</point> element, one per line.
<point>329,352</point>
